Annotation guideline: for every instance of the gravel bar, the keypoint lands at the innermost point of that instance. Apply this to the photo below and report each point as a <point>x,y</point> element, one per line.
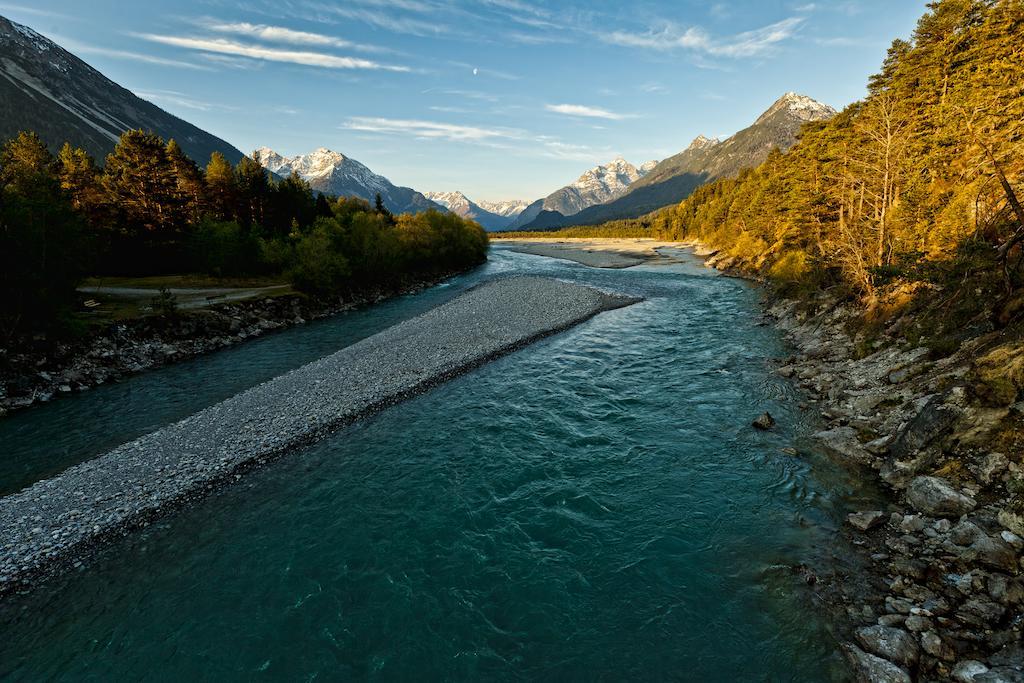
<point>55,524</point>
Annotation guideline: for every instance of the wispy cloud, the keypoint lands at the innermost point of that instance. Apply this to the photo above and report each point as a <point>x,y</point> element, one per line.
<point>512,140</point>
<point>694,38</point>
<point>429,129</point>
<point>80,48</point>
<point>374,14</point>
<point>586,112</point>
<point>179,99</point>
<point>303,57</point>
<point>35,11</point>
<point>280,34</point>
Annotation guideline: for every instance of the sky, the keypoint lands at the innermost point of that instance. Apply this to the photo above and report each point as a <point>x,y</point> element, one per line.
<point>500,99</point>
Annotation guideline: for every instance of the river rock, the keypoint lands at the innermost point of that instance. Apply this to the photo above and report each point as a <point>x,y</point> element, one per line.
<point>893,644</point>
<point>934,419</point>
<point>980,612</point>
<point>865,521</point>
<point>842,442</point>
<point>965,671</point>
<point>868,668</point>
<point>765,421</point>
<point>934,496</point>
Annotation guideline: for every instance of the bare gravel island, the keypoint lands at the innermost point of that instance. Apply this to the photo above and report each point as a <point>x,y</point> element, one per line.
<point>54,523</point>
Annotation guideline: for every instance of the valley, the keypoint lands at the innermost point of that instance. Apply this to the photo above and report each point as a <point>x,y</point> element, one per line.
<point>604,361</point>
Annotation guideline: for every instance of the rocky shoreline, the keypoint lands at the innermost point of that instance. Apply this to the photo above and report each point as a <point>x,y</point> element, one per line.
<point>28,377</point>
<point>55,524</point>
<point>943,599</point>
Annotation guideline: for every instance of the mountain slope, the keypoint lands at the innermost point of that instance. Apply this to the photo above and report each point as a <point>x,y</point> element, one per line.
<point>461,205</point>
<point>336,174</point>
<point>48,90</point>
<point>597,186</point>
<point>704,160</point>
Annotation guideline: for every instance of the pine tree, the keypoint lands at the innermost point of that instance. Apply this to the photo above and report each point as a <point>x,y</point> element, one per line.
<point>253,188</point>
<point>190,183</point>
<point>140,182</point>
<point>222,188</point>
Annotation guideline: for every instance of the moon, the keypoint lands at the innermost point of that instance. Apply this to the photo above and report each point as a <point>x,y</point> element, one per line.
<point>476,71</point>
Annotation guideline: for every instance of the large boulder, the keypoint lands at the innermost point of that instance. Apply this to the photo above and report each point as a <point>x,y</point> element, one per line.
<point>935,497</point>
<point>893,644</point>
<point>868,668</point>
<point>842,442</point>
<point>934,419</point>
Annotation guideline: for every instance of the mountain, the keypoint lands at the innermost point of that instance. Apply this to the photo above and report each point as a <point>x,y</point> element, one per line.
<point>673,179</point>
<point>336,174</point>
<point>48,90</point>
<point>461,205</point>
<point>507,209</point>
<point>597,186</point>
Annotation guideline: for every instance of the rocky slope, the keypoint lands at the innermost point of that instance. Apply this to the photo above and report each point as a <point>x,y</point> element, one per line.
<point>461,205</point>
<point>673,179</point>
<point>597,186</point>
<point>937,593</point>
<point>334,173</point>
<point>48,90</point>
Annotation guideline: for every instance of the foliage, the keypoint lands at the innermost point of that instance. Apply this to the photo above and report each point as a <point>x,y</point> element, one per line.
<point>152,210</point>
<point>893,187</point>
<point>42,252</point>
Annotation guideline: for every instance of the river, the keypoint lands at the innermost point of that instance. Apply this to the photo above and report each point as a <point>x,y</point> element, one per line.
<point>593,507</point>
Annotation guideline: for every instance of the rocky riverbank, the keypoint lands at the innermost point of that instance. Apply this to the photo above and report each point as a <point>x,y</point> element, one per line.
<point>45,371</point>
<point>944,598</point>
<point>54,524</point>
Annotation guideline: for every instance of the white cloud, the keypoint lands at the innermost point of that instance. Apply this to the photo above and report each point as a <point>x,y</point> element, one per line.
<point>180,99</point>
<point>306,58</point>
<point>280,34</point>
<point>674,37</point>
<point>429,129</point>
<point>511,140</point>
<point>76,47</point>
<point>585,111</point>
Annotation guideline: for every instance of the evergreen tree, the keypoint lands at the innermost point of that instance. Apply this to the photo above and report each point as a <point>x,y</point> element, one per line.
<point>222,188</point>
<point>190,183</point>
<point>140,183</point>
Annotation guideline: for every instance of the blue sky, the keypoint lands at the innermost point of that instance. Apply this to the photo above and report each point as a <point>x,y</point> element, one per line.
<point>501,99</point>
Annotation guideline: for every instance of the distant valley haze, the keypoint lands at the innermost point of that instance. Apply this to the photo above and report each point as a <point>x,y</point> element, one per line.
<point>500,101</point>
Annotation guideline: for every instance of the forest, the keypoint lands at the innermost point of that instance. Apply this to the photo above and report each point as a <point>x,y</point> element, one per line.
<point>152,210</point>
<point>915,187</point>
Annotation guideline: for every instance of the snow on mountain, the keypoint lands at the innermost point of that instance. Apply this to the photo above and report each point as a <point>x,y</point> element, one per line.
<point>647,167</point>
<point>598,185</point>
<point>334,173</point>
<point>799,106</point>
<point>461,205</point>
<point>506,209</point>
<point>705,160</point>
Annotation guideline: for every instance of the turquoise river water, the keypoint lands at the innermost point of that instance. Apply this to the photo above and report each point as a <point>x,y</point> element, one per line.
<point>593,507</point>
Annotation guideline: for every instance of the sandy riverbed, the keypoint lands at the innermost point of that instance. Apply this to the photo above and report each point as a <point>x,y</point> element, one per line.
<point>51,524</point>
<point>595,252</point>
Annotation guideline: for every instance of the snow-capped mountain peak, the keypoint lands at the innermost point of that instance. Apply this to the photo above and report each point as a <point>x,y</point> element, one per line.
<point>701,142</point>
<point>461,205</point>
<point>334,173</point>
<point>799,106</point>
<point>507,209</point>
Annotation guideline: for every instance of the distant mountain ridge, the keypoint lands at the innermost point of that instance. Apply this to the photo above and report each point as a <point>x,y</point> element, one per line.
<point>46,89</point>
<point>461,205</point>
<point>676,177</point>
<point>507,209</point>
<point>334,173</point>
<point>598,185</point>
